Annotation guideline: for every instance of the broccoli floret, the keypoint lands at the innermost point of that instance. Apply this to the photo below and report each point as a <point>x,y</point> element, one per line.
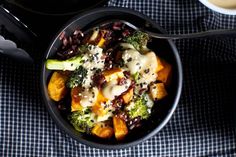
<point>138,108</point>
<point>138,39</point>
<point>82,120</point>
<point>77,77</point>
<point>69,64</point>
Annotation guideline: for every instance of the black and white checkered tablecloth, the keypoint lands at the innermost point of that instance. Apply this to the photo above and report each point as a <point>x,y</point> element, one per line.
<point>201,125</point>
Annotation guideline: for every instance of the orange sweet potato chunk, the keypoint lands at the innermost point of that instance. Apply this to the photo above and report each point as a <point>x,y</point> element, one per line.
<point>97,108</point>
<point>120,128</point>
<point>164,75</point>
<point>57,86</point>
<point>159,64</point>
<point>102,131</point>
<point>75,100</point>
<point>101,42</point>
<point>127,97</point>
<point>158,91</point>
<point>113,74</point>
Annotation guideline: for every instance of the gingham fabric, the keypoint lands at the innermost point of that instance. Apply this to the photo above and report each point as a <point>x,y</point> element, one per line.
<point>201,126</point>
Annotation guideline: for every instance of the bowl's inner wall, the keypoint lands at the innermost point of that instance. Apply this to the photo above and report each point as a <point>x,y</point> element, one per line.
<point>161,47</point>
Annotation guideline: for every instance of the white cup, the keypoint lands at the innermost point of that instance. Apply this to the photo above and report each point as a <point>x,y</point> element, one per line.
<point>228,11</point>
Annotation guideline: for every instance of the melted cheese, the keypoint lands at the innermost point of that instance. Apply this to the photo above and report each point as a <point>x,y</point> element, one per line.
<point>88,97</point>
<point>144,64</point>
<point>112,89</point>
<point>149,69</point>
<point>149,103</point>
<point>134,60</point>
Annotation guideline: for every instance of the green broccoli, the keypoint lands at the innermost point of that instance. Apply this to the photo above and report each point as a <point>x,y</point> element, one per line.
<point>138,39</point>
<point>82,120</point>
<point>138,108</point>
<point>77,77</point>
<point>70,64</point>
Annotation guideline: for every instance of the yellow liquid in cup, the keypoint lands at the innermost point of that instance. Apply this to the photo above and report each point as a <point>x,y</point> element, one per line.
<point>229,4</point>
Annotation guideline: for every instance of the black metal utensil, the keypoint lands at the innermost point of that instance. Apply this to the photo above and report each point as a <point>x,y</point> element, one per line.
<point>202,34</point>
<point>9,48</point>
<point>16,39</point>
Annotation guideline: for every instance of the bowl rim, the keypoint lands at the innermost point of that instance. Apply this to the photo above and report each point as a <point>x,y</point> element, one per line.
<point>218,9</point>
<point>119,145</point>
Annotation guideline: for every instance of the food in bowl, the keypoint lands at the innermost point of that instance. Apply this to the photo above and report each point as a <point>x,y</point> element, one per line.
<point>227,7</point>
<point>108,80</point>
<point>224,4</point>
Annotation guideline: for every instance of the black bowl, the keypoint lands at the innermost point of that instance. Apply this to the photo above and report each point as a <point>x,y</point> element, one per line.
<point>162,111</point>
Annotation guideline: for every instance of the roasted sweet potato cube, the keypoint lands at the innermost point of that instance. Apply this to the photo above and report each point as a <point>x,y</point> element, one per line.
<point>113,74</point>
<point>75,106</point>
<point>102,131</point>
<point>57,86</point>
<point>120,128</point>
<point>75,100</point>
<point>101,98</point>
<point>164,75</point>
<point>159,64</point>
<point>127,97</point>
<point>158,91</point>
<point>98,109</point>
